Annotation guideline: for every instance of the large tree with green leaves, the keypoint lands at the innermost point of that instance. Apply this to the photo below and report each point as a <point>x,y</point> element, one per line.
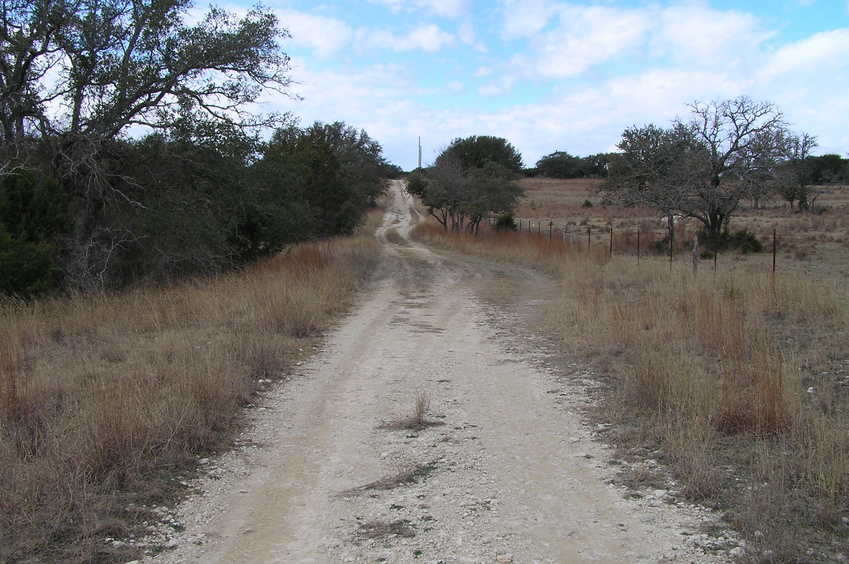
<point>309,183</point>
<point>477,150</point>
<point>78,78</point>
<point>471,179</point>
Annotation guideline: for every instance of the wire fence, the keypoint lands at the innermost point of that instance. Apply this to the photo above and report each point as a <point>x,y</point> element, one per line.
<point>630,241</point>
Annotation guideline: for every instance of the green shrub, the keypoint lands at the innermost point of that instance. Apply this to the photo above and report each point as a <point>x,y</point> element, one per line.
<point>505,222</point>
<point>33,213</point>
<point>26,269</point>
<point>744,241</point>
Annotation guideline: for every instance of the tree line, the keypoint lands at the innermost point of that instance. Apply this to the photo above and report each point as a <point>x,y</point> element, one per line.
<point>130,148</point>
<point>704,166</point>
<point>700,167</point>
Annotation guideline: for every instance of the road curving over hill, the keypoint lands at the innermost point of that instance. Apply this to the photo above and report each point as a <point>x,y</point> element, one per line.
<point>502,469</point>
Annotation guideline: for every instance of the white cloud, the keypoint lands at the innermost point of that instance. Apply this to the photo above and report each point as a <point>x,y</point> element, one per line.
<point>466,34</point>
<point>633,66</point>
<point>826,51</point>
<point>694,33</point>
<point>450,9</point>
<point>324,35</point>
<point>586,36</point>
<point>491,89</point>
<point>524,18</point>
<point>497,87</point>
<point>427,38</point>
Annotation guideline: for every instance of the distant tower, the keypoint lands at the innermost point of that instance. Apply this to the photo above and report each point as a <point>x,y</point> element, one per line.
<point>420,152</point>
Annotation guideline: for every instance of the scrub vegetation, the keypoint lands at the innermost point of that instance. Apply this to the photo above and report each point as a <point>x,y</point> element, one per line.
<point>107,402</point>
<point>734,380</point>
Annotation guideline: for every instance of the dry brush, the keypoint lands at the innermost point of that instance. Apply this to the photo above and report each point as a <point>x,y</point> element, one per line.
<point>106,401</point>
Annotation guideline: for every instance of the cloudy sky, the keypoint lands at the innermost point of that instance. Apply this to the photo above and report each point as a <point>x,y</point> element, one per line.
<point>559,76</point>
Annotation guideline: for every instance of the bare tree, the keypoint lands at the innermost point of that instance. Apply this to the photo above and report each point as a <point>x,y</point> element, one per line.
<point>737,142</point>
<point>701,167</point>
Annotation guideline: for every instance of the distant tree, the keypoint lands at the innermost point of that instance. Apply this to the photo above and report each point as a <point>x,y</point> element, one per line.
<point>795,175</point>
<point>477,150</point>
<point>704,166</point>
<point>494,191</point>
<point>310,183</point>
<point>827,169</point>
<point>560,164</point>
<point>363,167</point>
<point>461,193</point>
<point>736,142</point>
<point>654,169</point>
<point>598,165</point>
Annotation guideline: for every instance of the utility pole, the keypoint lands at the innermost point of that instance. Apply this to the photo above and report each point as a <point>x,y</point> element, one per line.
<point>420,152</point>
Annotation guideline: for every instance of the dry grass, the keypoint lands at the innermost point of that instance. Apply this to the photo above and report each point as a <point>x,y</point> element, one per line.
<point>737,379</point>
<point>382,530</point>
<point>405,473</point>
<point>106,400</point>
<point>417,420</point>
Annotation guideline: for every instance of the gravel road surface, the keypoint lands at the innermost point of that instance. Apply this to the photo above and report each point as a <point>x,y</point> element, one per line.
<point>502,468</point>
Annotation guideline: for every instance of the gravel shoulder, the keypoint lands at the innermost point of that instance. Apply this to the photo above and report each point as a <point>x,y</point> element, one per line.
<point>504,468</point>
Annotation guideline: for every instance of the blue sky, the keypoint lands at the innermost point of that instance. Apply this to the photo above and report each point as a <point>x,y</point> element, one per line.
<point>559,76</point>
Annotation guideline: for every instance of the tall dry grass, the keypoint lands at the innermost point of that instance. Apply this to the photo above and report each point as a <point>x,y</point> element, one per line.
<point>106,400</point>
<point>738,380</point>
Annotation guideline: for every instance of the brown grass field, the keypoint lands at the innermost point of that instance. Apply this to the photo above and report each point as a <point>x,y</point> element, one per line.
<point>107,402</point>
<point>736,379</point>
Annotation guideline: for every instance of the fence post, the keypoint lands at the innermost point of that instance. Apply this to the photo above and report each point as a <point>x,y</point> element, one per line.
<point>695,255</point>
<point>638,245</point>
<point>670,252</point>
<point>774,246</point>
<point>611,241</point>
<point>589,240</point>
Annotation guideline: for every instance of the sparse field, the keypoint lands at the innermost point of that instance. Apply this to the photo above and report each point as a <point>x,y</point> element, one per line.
<point>736,380</point>
<point>816,243</point>
<point>106,402</point>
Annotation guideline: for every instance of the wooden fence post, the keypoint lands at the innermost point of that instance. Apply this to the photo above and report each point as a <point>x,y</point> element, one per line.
<point>695,255</point>
<point>774,247</point>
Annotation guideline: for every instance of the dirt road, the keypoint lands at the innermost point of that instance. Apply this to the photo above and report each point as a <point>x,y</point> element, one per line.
<point>505,470</point>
